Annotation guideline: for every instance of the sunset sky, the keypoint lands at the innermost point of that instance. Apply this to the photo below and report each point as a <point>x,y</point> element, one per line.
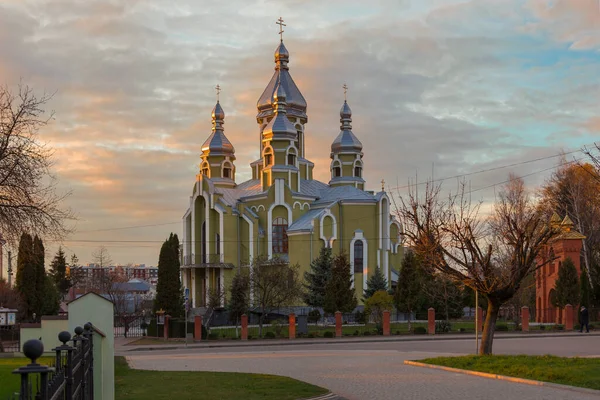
<point>452,87</point>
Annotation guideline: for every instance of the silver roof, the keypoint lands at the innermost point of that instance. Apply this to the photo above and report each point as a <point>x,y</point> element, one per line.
<point>333,194</point>
<point>217,143</point>
<point>280,125</point>
<point>304,223</point>
<point>232,195</point>
<point>346,140</point>
<point>296,104</point>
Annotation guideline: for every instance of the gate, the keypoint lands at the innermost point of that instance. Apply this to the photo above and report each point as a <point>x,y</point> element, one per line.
<point>130,325</point>
<point>10,338</point>
<point>71,375</point>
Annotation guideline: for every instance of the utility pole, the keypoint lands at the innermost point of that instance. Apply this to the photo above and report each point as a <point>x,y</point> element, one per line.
<point>476,322</point>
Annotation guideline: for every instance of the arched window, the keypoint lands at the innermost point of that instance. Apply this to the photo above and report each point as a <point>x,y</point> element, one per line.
<point>337,170</point>
<point>299,141</point>
<point>280,238</point>
<point>205,170</point>
<point>358,171</point>
<point>291,157</point>
<point>358,257</point>
<point>227,170</point>
<point>268,155</point>
<point>203,242</point>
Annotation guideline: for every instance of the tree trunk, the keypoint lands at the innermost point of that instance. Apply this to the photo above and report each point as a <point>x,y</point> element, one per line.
<point>489,327</point>
<point>260,324</point>
<point>409,322</point>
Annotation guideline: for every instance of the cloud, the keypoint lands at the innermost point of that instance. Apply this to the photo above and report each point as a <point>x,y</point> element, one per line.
<point>457,85</point>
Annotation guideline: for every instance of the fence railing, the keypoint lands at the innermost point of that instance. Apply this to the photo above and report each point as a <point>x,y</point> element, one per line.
<point>70,377</point>
<point>10,338</point>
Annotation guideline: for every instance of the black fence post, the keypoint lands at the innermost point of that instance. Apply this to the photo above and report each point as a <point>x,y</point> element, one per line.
<point>33,349</point>
<point>65,365</point>
<point>89,334</point>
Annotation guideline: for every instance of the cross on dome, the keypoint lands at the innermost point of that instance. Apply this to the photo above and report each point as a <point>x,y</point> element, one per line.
<point>345,90</point>
<point>218,90</point>
<point>281,25</point>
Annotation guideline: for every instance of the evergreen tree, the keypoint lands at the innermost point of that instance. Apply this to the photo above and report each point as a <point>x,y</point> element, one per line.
<point>316,279</point>
<point>409,286</point>
<point>375,283</point>
<point>586,295</point>
<point>567,287</point>
<point>339,294</point>
<point>26,275</point>
<point>40,276</point>
<point>239,300</point>
<point>51,303</point>
<point>58,272</point>
<point>169,293</point>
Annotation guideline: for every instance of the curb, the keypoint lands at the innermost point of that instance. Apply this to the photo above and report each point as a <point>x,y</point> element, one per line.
<point>297,342</point>
<point>328,396</point>
<point>504,378</point>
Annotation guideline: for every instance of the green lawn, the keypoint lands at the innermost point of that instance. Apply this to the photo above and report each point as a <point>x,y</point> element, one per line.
<point>142,385</point>
<point>582,372</point>
<point>9,382</point>
<point>134,384</point>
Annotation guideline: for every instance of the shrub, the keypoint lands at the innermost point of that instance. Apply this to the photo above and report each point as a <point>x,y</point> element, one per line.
<point>366,333</point>
<point>314,316</point>
<point>355,333</point>
<point>461,330</point>
<point>277,327</point>
<point>542,327</point>
<point>213,336</point>
<point>419,330</point>
<point>397,332</point>
<point>328,334</point>
<point>311,335</point>
<point>270,335</point>
<point>559,328</point>
<point>378,329</point>
<point>518,328</point>
<point>360,317</point>
<point>443,327</point>
<point>501,328</point>
<point>250,337</point>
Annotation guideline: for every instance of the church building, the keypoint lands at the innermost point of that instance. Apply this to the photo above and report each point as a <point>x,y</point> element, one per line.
<point>283,211</point>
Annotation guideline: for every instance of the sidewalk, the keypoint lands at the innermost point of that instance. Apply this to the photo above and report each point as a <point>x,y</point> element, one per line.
<point>207,344</point>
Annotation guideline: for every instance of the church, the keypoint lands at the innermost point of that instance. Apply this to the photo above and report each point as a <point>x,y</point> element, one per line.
<point>283,211</point>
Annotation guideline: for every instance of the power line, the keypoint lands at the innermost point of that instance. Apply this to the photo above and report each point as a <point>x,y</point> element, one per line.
<point>129,227</point>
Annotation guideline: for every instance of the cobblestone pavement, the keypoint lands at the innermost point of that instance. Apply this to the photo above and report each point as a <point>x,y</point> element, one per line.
<point>376,370</point>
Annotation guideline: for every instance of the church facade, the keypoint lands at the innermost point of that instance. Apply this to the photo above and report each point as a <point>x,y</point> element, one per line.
<point>283,211</point>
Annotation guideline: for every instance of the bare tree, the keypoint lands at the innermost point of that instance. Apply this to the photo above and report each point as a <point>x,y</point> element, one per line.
<point>490,254</point>
<point>29,201</point>
<point>129,305</point>
<point>275,283</point>
<point>102,257</point>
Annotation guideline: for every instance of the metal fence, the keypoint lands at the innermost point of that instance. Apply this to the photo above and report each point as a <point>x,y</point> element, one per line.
<point>10,338</point>
<point>131,325</point>
<point>70,376</point>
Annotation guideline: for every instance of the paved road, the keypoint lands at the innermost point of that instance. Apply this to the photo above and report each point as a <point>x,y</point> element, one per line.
<point>376,370</point>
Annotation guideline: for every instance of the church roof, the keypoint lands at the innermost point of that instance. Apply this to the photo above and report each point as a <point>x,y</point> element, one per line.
<point>296,104</point>
<point>304,223</point>
<point>333,194</point>
<point>346,141</point>
<point>217,142</point>
<point>232,195</point>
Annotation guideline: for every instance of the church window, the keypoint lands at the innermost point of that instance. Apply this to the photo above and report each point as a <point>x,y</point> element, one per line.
<point>226,171</point>
<point>337,172</point>
<point>358,171</point>
<point>203,243</point>
<point>280,238</point>
<point>205,170</point>
<point>291,157</point>
<point>358,257</point>
<point>268,157</point>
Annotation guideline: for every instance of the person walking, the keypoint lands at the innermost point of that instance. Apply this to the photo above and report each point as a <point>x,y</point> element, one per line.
<point>584,319</point>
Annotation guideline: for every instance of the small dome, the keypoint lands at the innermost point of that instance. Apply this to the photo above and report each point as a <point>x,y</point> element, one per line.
<point>218,143</point>
<point>281,53</point>
<point>345,111</point>
<point>217,112</point>
<point>279,96</point>
<point>346,141</point>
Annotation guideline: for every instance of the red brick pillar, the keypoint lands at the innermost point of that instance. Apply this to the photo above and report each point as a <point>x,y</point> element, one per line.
<point>166,330</point>
<point>525,319</point>
<point>480,319</point>
<point>386,323</point>
<point>198,327</point>
<point>568,317</point>
<point>338,324</point>
<point>292,327</point>
<point>431,321</point>
<point>244,327</point>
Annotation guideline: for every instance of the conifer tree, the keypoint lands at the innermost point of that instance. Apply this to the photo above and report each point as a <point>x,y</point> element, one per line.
<point>26,275</point>
<point>316,279</point>
<point>339,294</point>
<point>40,276</point>
<point>169,293</point>
<point>567,287</point>
<point>407,292</point>
<point>58,272</point>
<point>375,283</point>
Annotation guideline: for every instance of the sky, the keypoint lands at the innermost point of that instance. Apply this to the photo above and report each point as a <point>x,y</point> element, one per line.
<point>437,88</point>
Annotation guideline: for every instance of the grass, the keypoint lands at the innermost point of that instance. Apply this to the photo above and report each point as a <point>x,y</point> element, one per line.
<point>134,384</point>
<point>582,372</point>
<point>9,382</point>
<point>142,385</point>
